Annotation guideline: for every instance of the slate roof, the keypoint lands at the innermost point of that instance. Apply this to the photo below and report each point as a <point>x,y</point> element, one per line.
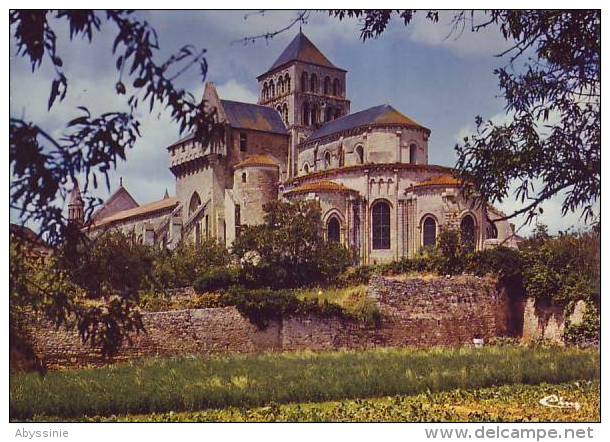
<point>302,49</point>
<point>253,116</point>
<point>383,114</point>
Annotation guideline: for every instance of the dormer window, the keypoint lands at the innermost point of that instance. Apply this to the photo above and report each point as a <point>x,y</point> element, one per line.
<point>243,142</point>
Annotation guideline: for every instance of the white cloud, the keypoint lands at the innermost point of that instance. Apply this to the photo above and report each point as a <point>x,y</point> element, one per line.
<point>461,41</point>
<point>232,90</point>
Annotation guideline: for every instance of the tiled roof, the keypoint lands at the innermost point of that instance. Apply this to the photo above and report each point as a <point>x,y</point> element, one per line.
<point>383,114</point>
<point>253,116</point>
<point>120,200</point>
<point>321,186</point>
<point>157,206</point>
<point>442,180</point>
<point>302,49</point>
<point>362,167</point>
<point>257,160</point>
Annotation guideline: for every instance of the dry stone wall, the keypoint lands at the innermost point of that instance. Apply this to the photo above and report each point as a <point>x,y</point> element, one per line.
<point>415,312</point>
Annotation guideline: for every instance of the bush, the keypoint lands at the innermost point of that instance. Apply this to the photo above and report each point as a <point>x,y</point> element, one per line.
<point>263,305</point>
<point>215,279</point>
<point>182,266</point>
<point>288,250</point>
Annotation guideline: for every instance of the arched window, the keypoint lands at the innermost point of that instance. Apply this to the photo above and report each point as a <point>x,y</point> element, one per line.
<point>306,114</point>
<point>381,225</point>
<point>412,153</point>
<point>313,83</point>
<point>287,83</point>
<point>243,177</point>
<point>491,231</point>
<point>333,230</point>
<point>271,89</point>
<point>265,92</point>
<point>280,86</point>
<point>429,233</point>
<point>327,160</point>
<point>306,168</point>
<point>285,113</point>
<point>360,154</point>
<point>326,85</point>
<point>336,87</point>
<point>329,114</point>
<point>468,233</point>
<point>194,203</point>
<point>314,114</point>
<point>304,82</point>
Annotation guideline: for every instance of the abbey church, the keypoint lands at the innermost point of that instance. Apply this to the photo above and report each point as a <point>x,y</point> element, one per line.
<point>368,170</point>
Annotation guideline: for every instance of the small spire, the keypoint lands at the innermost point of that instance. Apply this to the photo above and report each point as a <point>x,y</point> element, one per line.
<point>120,181</point>
<point>166,196</point>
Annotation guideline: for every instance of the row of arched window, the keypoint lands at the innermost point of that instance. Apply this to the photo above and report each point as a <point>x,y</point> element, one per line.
<point>311,83</point>
<point>272,89</point>
<point>358,151</point>
<point>311,115</point>
<point>381,231</point>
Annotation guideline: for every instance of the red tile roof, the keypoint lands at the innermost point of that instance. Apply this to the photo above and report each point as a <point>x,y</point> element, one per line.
<point>148,209</point>
<point>321,186</point>
<point>256,160</point>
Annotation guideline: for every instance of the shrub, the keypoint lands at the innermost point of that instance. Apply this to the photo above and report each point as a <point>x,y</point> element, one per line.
<point>215,279</point>
<point>263,305</point>
<point>288,249</point>
<point>182,266</point>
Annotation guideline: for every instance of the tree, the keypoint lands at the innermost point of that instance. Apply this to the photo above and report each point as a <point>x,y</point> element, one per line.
<point>553,100</point>
<point>288,249</point>
<point>44,169</point>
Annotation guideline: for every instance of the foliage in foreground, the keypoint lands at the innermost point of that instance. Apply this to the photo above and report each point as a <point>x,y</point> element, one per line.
<point>508,403</point>
<point>163,385</point>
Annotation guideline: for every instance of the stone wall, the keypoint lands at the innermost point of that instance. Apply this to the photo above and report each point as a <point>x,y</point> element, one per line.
<point>546,321</point>
<point>415,312</point>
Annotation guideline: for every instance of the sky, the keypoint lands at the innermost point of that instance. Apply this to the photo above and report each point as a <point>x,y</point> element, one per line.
<point>442,80</point>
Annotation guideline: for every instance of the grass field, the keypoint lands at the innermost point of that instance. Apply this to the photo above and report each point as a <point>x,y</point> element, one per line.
<point>163,385</point>
<point>508,403</point>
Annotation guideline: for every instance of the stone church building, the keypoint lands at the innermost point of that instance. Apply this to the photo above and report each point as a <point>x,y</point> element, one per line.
<point>368,170</point>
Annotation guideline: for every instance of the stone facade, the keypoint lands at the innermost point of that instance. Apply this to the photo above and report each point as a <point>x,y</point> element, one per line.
<point>368,170</point>
<point>546,321</point>
<point>415,312</point>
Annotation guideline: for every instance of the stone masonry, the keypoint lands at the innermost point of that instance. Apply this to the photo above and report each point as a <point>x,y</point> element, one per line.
<point>415,312</point>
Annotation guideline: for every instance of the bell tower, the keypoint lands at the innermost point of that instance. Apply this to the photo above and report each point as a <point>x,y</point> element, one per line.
<point>306,89</point>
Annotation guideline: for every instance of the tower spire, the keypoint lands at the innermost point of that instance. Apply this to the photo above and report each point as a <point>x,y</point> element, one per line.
<point>76,206</point>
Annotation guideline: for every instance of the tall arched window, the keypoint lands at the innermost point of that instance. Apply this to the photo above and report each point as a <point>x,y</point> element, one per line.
<point>306,114</point>
<point>327,160</point>
<point>304,82</point>
<point>491,231</point>
<point>194,203</point>
<point>336,87</point>
<point>326,85</point>
<point>313,83</point>
<point>285,113</point>
<point>314,114</point>
<point>280,86</point>
<point>429,234</point>
<point>306,168</point>
<point>265,91</point>
<point>271,89</point>
<point>381,225</point>
<point>412,153</point>
<point>333,230</point>
<point>360,154</point>
<point>287,83</point>
<point>468,233</point>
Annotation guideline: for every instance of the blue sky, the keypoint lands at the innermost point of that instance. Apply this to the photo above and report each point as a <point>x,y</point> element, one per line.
<point>442,83</point>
